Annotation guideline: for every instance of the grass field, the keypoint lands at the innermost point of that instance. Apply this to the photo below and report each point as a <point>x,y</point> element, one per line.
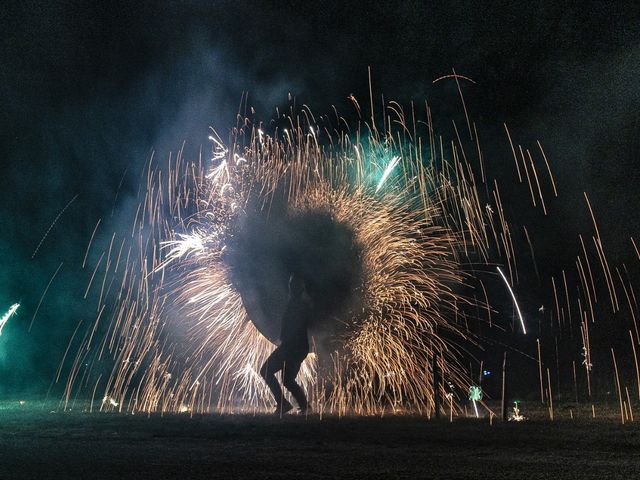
<point>40,442</point>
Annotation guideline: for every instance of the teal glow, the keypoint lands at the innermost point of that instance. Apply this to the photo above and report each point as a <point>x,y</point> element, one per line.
<point>475,393</point>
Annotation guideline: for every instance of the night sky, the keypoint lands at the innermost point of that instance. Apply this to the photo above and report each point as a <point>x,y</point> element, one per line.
<point>90,89</point>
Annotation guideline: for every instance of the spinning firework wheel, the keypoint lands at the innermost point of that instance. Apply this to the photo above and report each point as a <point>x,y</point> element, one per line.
<point>368,226</point>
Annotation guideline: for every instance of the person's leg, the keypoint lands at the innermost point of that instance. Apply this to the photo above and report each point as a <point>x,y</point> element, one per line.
<point>273,364</point>
<point>291,369</point>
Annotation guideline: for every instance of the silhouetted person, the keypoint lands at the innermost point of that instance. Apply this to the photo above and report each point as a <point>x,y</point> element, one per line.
<point>293,349</point>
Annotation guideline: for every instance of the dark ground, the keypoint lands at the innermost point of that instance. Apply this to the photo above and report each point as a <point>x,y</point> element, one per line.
<point>37,443</point>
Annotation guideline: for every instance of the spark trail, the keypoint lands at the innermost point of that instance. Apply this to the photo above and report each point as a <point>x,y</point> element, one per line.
<point>515,301</point>
<point>5,318</point>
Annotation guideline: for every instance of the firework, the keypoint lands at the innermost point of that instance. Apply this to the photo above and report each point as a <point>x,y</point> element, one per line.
<point>190,295</point>
<point>187,328</point>
<point>515,302</point>
<point>516,416</point>
<point>475,395</point>
<point>5,318</point>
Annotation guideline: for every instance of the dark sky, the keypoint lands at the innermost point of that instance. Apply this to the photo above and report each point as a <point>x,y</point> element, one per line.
<point>89,89</point>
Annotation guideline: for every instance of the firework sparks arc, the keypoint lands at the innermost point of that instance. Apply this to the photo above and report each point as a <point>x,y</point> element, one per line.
<point>186,333</point>
<point>515,301</point>
<point>5,318</point>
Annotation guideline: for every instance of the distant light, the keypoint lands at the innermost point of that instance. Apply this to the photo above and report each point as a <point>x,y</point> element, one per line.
<point>516,416</point>
<point>475,393</point>
<point>486,373</point>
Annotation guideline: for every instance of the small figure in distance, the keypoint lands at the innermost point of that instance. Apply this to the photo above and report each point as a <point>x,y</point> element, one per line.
<point>293,349</point>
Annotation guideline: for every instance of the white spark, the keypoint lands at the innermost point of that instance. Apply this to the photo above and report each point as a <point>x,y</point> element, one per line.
<point>387,171</point>
<point>8,315</point>
<point>188,244</point>
<point>110,400</point>
<point>515,302</point>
